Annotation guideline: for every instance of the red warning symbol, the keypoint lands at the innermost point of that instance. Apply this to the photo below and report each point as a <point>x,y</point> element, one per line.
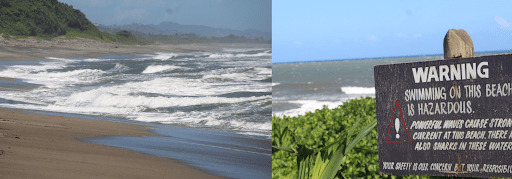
<point>398,127</point>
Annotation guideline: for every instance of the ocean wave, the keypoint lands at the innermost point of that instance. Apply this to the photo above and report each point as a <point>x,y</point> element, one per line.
<point>136,88</point>
<point>107,100</point>
<point>358,90</point>
<point>122,98</point>
<point>244,49</point>
<point>308,106</point>
<point>223,55</point>
<point>159,68</point>
<point>164,56</point>
<point>118,68</point>
<point>264,71</point>
<point>54,79</point>
<point>189,87</point>
<point>198,118</point>
<point>261,54</point>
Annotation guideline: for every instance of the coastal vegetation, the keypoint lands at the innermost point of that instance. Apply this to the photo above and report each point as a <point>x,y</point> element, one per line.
<point>175,30</point>
<point>308,145</point>
<point>325,128</point>
<point>47,19</point>
<point>185,38</point>
<point>43,18</point>
<point>161,38</point>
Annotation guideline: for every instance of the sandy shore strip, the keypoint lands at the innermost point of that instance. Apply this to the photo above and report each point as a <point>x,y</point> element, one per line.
<point>31,49</point>
<point>43,146</point>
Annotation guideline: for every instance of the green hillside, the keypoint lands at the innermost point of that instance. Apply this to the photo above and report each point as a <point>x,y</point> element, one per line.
<point>44,18</point>
<point>49,18</point>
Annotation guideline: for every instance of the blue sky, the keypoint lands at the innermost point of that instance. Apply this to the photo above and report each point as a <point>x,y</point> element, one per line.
<point>230,14</point>
<point>328,30</point>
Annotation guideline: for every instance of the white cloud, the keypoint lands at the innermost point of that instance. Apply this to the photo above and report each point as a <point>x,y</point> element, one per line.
<point>402,35</point>
<point>298,42</point>
<point>372,38</point>
<point>501,21</point>
<point>417,35</point>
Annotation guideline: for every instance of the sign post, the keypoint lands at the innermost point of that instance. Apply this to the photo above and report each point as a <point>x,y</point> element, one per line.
<point>446,117</point>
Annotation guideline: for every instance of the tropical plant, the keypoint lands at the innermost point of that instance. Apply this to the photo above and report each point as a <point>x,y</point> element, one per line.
<point>304,146</point>
<point>325,131</point>
<point>325,163</point>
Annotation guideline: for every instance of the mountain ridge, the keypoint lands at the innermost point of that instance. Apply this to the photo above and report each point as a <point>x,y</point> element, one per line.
<point>171,28</point>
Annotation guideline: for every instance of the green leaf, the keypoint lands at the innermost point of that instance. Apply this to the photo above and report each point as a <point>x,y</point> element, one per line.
<point>353,128</point>
<point>319,166</point>
<point>361,135</point>
<point>334,164</point>
<point>287,149</point>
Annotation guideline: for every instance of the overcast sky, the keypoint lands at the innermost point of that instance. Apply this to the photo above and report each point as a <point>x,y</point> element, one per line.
<point>327,30</point>
<point>229,14</point>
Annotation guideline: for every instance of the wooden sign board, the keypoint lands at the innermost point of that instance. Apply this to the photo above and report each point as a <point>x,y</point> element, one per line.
<point>446,117</point>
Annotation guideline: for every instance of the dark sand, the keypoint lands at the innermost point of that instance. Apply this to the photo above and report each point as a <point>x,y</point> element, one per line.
<point>42,146</point>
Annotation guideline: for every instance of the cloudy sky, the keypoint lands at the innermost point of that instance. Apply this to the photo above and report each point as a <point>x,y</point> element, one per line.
<point>230,14</point>
<point>307,31</point>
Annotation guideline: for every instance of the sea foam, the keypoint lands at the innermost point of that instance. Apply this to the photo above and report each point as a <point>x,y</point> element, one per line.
<point>358,90</point>
<point>159,68</point>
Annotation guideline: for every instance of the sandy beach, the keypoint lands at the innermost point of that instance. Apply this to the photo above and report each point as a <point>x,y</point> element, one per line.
<point>31,49</point>
<point>43,146</point>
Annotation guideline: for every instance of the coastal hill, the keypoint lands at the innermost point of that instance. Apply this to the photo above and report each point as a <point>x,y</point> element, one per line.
<point>44,18</point>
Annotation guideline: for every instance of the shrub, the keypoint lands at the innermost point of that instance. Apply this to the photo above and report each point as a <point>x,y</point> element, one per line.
<point>124,33</point>
<point>314,131</point>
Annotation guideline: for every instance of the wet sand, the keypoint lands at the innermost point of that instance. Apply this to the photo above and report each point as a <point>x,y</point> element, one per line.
<point>43,146</point>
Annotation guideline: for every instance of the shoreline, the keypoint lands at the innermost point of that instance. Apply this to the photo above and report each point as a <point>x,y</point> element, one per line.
<point>36,145</point>
<point>30,49</point>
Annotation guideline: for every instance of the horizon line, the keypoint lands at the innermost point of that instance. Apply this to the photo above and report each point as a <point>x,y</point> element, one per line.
<point>389,57</point>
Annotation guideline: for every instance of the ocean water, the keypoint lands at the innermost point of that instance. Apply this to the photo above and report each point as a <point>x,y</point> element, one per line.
<point>228,90</point>
<point>298,88</point>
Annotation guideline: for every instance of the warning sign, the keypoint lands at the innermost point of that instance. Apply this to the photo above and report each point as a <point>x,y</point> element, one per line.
<point>397,126</point>
<point>445,117</point>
